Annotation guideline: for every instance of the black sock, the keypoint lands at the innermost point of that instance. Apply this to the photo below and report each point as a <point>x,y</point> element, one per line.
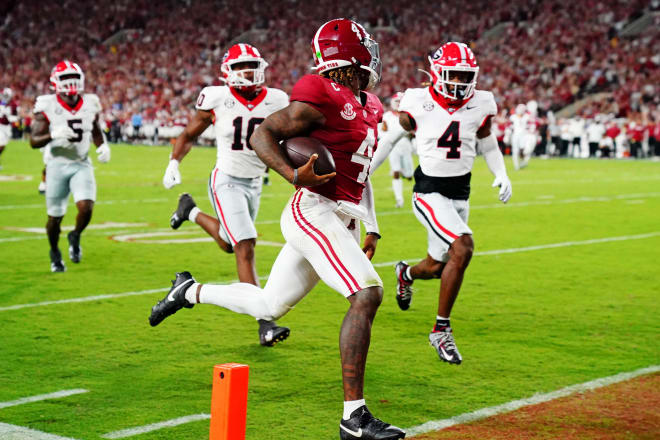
<point>441,325</point>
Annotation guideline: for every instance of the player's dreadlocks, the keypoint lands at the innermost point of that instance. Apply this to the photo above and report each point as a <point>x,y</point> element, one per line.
<point>345,75</point>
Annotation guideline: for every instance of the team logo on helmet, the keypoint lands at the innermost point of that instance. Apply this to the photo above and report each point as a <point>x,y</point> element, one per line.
<point>348,113</point>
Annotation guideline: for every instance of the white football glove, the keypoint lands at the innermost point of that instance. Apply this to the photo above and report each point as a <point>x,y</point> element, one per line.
<point>62,133</point>
<point>103,152</point>
<point>505,187</point>
<point>172,175</point>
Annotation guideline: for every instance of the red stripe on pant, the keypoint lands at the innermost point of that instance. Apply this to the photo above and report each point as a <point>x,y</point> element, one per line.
<point>295,206</point>
<point>222,216</point>
<point>435,220</point>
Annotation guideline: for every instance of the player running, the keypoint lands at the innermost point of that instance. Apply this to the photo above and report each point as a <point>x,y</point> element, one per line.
<point>321,220</point>
<point>449,119</point>
<point>235,110</point>
<point>8,115</point>
<point>65,122</point>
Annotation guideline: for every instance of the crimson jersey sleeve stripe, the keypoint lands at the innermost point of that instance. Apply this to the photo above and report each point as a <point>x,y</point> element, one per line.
<point>297,215</point>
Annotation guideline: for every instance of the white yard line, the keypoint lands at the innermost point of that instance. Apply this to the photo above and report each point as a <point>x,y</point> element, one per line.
<point>40,397</point>
<point>483,413</point>
<point>387,263</point>
<point>13,432</point>
<point>100,202</point>
<point>156,426</point>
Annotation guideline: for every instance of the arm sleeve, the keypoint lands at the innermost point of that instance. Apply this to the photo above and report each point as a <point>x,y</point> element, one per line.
<point>385,145</point>
<point>311,89</point>
<point>490,108</point>
<point>492,155</point>
<point>367,201</point>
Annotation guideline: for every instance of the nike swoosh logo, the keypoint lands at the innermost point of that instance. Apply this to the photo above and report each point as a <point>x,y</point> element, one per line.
<point>446,354</point>
<point>170,297</point>
<point>469,108</point>
<point>357,433</point>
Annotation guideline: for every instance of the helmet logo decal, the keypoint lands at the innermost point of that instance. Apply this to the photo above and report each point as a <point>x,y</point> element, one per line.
<point>348,113</point>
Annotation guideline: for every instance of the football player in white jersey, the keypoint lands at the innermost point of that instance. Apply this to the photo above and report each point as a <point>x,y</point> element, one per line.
<point>234,110</point>
<point>449,119</point>
<point>523,138</point>
<point>65,122</point>
<point>400,157</point>
<point>7,117</point>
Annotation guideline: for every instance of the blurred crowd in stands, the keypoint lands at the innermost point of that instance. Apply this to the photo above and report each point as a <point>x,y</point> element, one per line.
<point>147,61</point>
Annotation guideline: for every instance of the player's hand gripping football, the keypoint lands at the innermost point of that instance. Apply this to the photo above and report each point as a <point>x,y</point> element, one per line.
<point>172,175</point>
<point>307,176</point>
<point>505,188</point>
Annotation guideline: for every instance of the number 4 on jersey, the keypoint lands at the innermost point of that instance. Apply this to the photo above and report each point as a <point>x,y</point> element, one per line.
<point>451,139</point>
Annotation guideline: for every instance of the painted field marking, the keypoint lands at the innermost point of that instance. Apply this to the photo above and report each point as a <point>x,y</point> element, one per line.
<point>100,202</point>
<point>156,426</point>
<point>40,397</point>
<point>96,226</point>
<point>436,425</point>
<point>13,432</point>
<point>15,178</point>
<point>146,237</point>
<point>387,263</point>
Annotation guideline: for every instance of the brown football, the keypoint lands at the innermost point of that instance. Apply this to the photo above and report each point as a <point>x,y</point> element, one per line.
<point>300,149</point>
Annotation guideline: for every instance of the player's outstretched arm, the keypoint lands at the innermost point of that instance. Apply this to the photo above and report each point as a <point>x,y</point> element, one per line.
<point>40,135</point>
<point>183,144</point>
<point>494,160</point>
<point>297,119</point>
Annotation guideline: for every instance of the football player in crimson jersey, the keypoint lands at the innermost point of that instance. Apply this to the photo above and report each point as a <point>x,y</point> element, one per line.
<point>234,110</point>
<point>449,119</point>
<point>321,221</point>
<point>65,122</point>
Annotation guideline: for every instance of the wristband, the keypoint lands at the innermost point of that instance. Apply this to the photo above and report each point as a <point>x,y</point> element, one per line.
<point>374,233</point>
<point>295,176</point>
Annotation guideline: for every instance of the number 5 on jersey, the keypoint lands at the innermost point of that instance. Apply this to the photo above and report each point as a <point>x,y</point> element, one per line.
<point>451,139</point>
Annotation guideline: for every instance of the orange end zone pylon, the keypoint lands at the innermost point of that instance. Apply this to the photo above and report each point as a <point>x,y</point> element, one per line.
<point>229,402</point>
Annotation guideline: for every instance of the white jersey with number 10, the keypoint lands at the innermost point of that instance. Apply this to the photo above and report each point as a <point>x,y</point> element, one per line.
<point>235,120</point>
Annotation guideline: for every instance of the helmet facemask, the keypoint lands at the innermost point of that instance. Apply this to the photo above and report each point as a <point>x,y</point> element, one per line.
<point>240,78</point>
<point>375,67</point>
<point>446,85</point>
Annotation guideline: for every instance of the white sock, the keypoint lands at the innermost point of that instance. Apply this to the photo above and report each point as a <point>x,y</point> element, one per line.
<point>238,297</point>
<point>352,405</point>
<point>191,293</point>
<point>397,187</point>
<point>193,214</point>
<point>442,317</point>
<point>408,275</point>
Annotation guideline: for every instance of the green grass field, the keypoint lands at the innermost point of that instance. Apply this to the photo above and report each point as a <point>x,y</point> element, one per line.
<point>526,321</point>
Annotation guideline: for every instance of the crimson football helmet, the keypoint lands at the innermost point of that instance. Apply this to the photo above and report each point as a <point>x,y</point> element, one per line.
<point>342,42</point>
<point>449,61</point>
<point>243,53</point>
<point>395,100</point>
<point>68,78</point>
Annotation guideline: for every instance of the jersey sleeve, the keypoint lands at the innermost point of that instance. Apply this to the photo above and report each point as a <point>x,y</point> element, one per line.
<point>41,105</point>
<point>95,102</point>
<point>311,89</point>
<point>407,105</point>
<point>281,99</point>
<point>209,98</point>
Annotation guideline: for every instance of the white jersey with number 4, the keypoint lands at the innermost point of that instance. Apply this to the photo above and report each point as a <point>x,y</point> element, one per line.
<point>447,136</point>
<point>235,120</point>
<point>79,118</point>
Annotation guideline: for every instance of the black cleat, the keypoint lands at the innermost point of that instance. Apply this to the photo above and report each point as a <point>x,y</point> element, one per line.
<point>270,333</point>
<point>364,426</point>
<point>56,263</point>
<point>75,251</point>
<point>403,288</point>
<point>186,204</point>
<point>174,301</point>
<point>445,346</point>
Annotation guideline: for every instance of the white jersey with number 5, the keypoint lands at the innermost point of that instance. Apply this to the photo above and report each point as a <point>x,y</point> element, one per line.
<point>446,135</point>
<point>235,120</point>
<point>79,118</point>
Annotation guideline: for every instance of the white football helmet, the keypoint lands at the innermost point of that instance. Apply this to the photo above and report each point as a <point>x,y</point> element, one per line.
<point>68,78</point>
<point>7,94</point>
<point>243,53</point>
